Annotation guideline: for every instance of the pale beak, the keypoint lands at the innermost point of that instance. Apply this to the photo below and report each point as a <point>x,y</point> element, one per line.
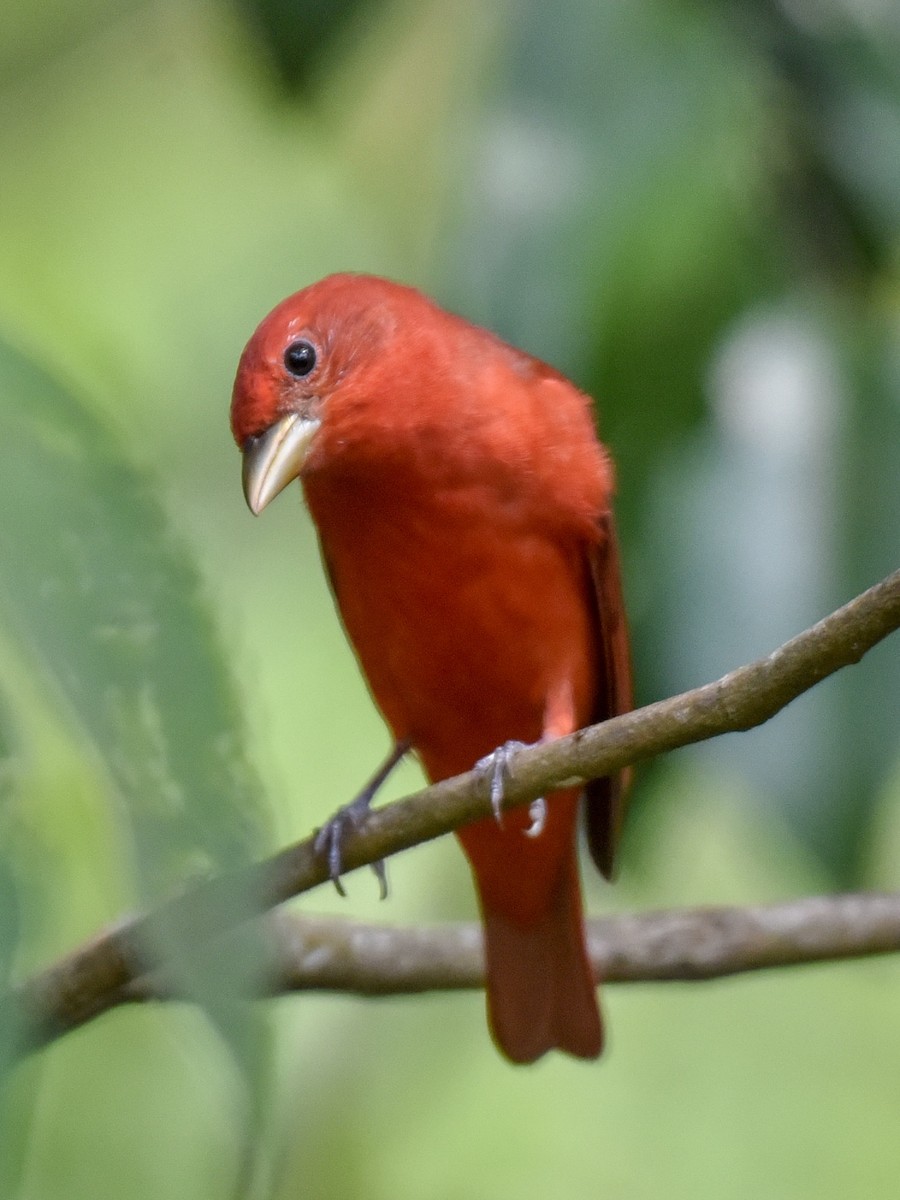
<point>274,458</point>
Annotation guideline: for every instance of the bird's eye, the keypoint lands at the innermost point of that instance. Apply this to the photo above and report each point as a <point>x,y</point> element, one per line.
<point>300,357</point>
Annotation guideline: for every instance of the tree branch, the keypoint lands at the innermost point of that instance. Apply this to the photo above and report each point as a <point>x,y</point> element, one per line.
<point>335,954</point>
<point>99,974</point>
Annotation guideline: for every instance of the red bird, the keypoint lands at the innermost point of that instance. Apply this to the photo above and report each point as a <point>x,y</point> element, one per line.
<point>462,502</point>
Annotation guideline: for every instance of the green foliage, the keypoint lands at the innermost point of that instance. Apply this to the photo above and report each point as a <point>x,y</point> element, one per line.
<point>103,608</point>
<point>297,35</point>
<point>694,211</point>
<point>103,627</point>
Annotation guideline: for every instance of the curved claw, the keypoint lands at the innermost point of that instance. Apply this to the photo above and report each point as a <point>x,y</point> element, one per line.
<point>495,767</point>
<point>330,839</point>
<point>328,846</point>
<point>537,813</point>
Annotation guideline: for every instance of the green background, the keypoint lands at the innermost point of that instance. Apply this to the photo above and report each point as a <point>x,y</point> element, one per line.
<point>691,209</point>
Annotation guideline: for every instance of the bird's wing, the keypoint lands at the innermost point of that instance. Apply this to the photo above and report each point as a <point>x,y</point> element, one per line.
<point>605,798</point>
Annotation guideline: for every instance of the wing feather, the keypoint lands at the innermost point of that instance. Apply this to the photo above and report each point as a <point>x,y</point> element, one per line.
<point>605,798</point>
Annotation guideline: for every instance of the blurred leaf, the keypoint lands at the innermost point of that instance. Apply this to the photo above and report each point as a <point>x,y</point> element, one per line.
<point>298,35</point>
<point>10,915</point>
<point>104,604</point>
<point>10,898</point>
<point>97,591</point>
<point>835,124</point>
<point>31,35</point>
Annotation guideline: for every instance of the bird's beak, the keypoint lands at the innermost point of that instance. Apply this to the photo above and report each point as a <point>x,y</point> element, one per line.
<point>274,458</point>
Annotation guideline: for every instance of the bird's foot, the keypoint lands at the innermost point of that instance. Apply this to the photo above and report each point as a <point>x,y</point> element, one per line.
<point>330,839</point>
<point>495,768</point>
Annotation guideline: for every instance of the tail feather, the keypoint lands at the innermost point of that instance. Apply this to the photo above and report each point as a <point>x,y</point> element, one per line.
<point>541,992</point>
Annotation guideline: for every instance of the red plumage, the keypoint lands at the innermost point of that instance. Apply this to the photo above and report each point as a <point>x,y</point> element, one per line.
<point>463,507</point>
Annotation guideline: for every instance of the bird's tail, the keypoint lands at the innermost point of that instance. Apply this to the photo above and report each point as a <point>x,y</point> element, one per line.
<point>541,992</point>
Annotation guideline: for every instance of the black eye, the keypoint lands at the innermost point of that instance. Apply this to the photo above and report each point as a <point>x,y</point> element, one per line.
<point>300,357</point>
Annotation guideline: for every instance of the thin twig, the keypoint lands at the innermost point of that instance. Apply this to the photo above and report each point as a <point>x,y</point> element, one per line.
<point>81,985</point>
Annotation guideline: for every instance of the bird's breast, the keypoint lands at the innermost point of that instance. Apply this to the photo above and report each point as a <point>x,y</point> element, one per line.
<point>466,614</point>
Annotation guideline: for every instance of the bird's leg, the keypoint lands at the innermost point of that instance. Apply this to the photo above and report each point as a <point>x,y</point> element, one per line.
<point>330,838</point>
<point>495,767</point>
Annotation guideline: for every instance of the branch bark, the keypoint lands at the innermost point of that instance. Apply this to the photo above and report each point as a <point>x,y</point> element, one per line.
<point>99,974</point>
<point>335,954</point>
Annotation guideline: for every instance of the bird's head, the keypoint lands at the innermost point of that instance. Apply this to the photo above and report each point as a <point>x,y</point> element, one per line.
<point>324,350</point>
<point>367,385</point>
